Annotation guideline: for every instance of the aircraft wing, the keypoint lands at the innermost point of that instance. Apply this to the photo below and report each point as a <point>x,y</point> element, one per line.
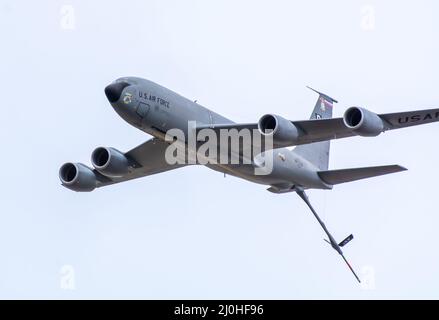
<point>316,130</point>
<point>334,128</point>
<point>148,159</point>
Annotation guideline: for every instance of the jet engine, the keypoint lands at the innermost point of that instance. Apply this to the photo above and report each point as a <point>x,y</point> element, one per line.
<point>77,177</point>
<point>284,133</point>
<point>110,162</point>
<point>363,122</point>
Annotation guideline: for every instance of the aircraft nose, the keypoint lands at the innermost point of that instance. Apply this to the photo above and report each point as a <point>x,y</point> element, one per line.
<point>114,90</point>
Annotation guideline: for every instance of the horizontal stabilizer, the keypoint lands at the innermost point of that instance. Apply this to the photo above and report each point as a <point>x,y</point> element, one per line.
<point>334,177</point>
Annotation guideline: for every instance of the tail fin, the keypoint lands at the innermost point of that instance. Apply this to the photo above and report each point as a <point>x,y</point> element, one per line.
<point>333,177</point>
<point>318,153</point>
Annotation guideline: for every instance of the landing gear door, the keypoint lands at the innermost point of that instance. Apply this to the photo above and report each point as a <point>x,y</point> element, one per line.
<point>142,109</point>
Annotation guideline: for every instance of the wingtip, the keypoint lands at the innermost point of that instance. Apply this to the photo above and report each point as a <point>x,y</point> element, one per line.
<point>396,168</point>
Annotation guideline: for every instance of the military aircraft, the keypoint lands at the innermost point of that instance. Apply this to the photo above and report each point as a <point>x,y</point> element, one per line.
<point>157,110</point>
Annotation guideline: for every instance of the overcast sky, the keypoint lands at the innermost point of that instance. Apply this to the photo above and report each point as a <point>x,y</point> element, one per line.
<point>191,233</point>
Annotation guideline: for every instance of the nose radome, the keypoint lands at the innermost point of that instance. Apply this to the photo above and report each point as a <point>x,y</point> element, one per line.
<point>114,90</point>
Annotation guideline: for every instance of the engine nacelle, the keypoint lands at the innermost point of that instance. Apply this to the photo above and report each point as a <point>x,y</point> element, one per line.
<point>284,133</point>
<point>77,177</point>
<point>363,122</point>
<point>110,162</point>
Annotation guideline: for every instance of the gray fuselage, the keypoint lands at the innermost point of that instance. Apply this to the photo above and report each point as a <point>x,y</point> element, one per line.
<point>155,110</point>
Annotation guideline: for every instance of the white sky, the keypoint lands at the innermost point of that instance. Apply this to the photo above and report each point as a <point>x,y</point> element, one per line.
<point>191,233</point>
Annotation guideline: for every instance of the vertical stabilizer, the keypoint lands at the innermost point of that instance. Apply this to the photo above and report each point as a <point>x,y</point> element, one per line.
<point>318,153</point>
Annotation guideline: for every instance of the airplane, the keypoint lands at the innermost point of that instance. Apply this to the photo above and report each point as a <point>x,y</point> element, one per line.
<point>157,110</point>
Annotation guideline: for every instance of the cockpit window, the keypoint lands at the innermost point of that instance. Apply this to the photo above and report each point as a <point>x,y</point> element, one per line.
<point>128,80</point>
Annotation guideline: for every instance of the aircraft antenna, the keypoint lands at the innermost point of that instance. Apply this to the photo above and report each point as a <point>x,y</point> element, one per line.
<point>336,246</point>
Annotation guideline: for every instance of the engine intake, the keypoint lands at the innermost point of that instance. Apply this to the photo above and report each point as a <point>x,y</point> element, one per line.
<point>110,162</point>
<point>77,177</point>
<point>284,133</point>
<point>363,122</point>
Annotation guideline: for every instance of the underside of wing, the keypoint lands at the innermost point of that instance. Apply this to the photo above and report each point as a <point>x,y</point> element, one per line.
<point>147,159</point>
<point>284,133</point>
<point>112,166</point>
<point>236,142</point>
<point>361,122</point>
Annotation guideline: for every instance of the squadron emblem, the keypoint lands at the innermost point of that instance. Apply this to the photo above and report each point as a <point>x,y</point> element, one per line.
<point>127,98</point>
